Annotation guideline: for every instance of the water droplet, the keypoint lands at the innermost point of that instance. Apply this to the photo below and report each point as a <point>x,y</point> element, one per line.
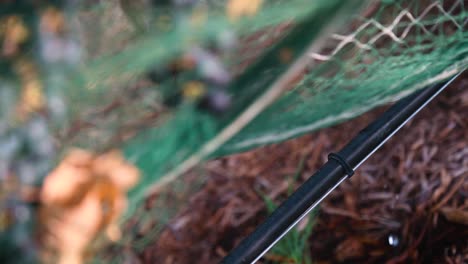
<point>393,240</point>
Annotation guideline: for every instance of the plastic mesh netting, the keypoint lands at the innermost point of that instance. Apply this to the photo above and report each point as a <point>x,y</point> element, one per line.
<point>388,51</point>
<point>395,49</point>
<point>173,83</point>
<point>391,49</point>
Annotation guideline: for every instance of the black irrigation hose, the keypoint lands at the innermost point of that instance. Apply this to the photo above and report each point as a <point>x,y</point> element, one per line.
<point>339,167</point>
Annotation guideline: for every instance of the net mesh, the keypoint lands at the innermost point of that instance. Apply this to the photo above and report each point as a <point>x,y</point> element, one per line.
<point>398,48</point>
<point>294,67</point>
<point>389,50</point>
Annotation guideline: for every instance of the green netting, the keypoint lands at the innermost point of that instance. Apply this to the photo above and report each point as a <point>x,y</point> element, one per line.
<point>387,51</point>
<point>297,66</point>
<point>134,54</point>
<point>402,47</point>
<point>182,143</point>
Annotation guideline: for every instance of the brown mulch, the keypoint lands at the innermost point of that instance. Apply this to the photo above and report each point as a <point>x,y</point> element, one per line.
<point>407,203</point>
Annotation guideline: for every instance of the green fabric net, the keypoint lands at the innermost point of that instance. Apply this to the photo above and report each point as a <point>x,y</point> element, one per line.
<point>381,58</point>
<point>346,60</point>
<point>384,51</point>
<point>298,66</point>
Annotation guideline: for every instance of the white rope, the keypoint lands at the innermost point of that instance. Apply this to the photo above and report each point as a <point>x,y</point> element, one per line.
<point>390,29</point>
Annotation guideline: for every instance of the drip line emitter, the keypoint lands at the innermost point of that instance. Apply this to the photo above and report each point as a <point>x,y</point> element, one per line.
<point>340,166</point>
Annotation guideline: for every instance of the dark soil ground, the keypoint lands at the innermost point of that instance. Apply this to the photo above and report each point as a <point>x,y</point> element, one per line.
<point>413,191</point>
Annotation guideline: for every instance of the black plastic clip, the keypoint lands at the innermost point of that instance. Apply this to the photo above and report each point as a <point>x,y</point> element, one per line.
<point>348,170</point>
